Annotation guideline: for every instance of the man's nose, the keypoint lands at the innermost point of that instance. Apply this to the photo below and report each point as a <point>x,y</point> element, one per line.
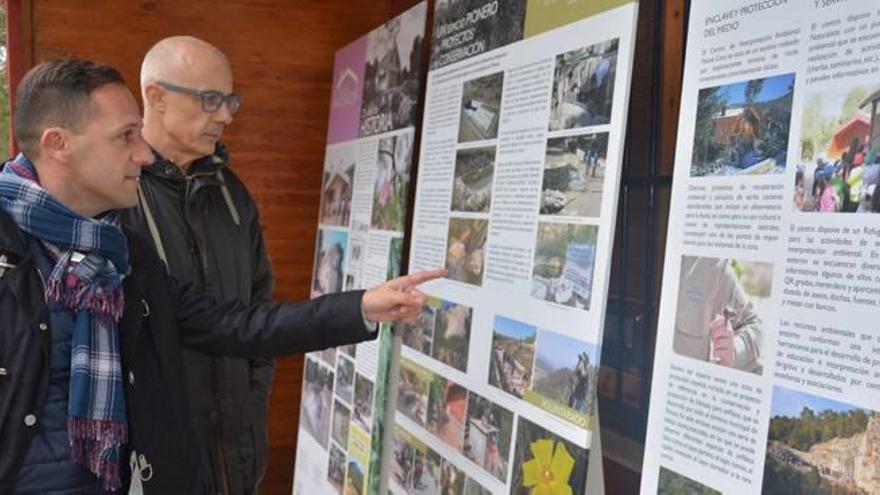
<point>223,114</point>
<point>142,154</point>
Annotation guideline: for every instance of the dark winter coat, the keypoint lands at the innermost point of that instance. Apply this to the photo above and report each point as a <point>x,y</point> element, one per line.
<point>160,317</point>
<point>206,228</point>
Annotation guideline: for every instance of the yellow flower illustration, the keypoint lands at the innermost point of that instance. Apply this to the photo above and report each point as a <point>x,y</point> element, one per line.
<point>548,471</point>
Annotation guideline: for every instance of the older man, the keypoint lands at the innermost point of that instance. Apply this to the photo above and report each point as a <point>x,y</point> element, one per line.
<point>206,228</point>
<point>92,327</point>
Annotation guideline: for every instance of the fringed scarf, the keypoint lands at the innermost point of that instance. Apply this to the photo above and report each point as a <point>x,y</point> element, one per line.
<point>92,290</point>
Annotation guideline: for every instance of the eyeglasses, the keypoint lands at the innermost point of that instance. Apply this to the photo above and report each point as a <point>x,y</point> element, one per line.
<point>211,100</point>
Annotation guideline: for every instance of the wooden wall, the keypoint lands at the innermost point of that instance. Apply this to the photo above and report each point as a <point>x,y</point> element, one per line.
<point>282,57</point>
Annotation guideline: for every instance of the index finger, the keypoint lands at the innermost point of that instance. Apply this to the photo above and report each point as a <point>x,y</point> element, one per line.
<point>421,277</point>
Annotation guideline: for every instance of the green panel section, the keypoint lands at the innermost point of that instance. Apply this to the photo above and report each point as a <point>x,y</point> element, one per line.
<point>379,401</point>
<point>544,15</point>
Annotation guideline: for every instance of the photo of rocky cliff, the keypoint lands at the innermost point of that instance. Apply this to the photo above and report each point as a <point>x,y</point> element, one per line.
<point>817,445</point>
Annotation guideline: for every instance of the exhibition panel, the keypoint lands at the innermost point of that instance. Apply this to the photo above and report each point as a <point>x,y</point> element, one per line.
<point>366,182</point>
<point>765,375</point>
<point>520,166</point>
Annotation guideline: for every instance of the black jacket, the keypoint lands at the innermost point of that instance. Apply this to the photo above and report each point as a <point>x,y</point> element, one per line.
<point>160,317</point>
<point>206,228</point>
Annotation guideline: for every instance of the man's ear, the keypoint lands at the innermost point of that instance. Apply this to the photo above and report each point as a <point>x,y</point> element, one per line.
<point>55,143</point>
<point>154,98</point>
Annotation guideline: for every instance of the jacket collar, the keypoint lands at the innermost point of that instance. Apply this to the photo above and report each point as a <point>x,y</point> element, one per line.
<point>206,165</point>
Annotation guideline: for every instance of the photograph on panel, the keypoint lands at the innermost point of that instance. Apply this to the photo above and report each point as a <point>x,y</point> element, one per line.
<point>363,402</point>
<point>412,391</point>
<point>491,25</point>
<point>336,468</point>
<point>329,262</point>
<point>472,186</point>
<point>471,487</point>
<point>452,334</point>
<point>488,435</point>
<point>391,74</point>
<point>355,262</point>
<point>672,483</point>
<point>566,375</point>
<point>839,169</point>
<point>419,335</point>
<point>327,355</point>
<point>395,255</point>
<point>574,175</point>
<point>427,473</point>
<point>481,108</point>
<point>344,379</point>
<point>544,462</point>
<point>818,445</point>
<point>349,350</point>
<point>447,410</point>
<point>723,305</point>
<point>392,181</point>
<point>743,128</point>
<point>564,257</point>
<point>451,479</point>
<point>354,478</point>
<point>512,358</point>
<point>583,86</point>
<point>337,185</point>
<point>316,400</point>
<point>465,249</point>
<point>416,468</point>
<point>340,423</point>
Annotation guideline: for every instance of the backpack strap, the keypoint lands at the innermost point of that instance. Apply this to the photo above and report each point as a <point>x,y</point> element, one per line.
<point>152,227</point>
<point>230,205</point>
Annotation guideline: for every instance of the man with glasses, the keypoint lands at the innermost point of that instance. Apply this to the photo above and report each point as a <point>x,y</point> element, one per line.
<point>206,228</point>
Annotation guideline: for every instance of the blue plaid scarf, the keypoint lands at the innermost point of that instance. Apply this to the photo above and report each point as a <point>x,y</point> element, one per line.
<point>92,291</point>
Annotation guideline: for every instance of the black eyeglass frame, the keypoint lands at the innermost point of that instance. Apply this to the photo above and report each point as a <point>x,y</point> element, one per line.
<point>207,97</point>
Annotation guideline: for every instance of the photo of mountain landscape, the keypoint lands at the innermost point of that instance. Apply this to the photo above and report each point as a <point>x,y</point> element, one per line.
<point>817,445</point>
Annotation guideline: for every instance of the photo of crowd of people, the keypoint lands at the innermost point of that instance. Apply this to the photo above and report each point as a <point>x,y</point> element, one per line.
<point>329,262</point>
<point>392,181</point>
<point>840,152</point>
<point>583,86</point>
<point>472,186</point>
<point>722,307</point>
<point>316,400</point>
<point>574,175</point>
<point>481,108</point>
<point>465,249</point>
<point>743,128</point>
<point>563,269</point>
<point>442,331</point>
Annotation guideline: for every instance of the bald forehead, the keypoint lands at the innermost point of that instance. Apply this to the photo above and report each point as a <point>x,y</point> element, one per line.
<point>189,61</point>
